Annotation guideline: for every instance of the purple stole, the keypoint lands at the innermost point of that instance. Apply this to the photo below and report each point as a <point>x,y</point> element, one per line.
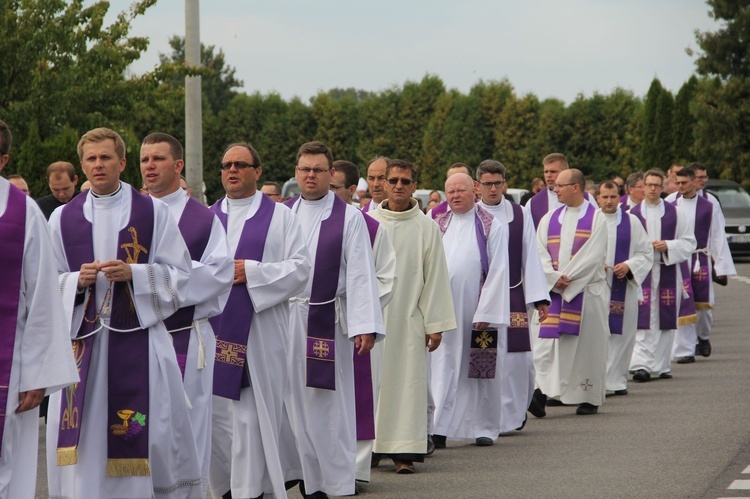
<point>232,326</point>
<point>518,330</point>
<point>321,317</point>
<point>565,317</point>
<point>701,277</point>
<point>539,205</point>
<point>667,276</point>
<point>619,286</point>
<point>624,205</point>
<point>438,210</point>
<point>482,344</point>
<point>128,354</point>
<point>687,314</point>
<point>363,399</point>
<point>12,236</point>
<point>195,226</point>
<point>366,208</point>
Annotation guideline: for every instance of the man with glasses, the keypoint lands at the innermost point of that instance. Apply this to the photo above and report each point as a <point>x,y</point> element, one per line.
<point>270,266</point>
<point>337,312</point>
<point>570,353</point>
<point>272,190</point>
<point>527,292</point>
<point>712,253</point>
<point>658,312</point>
<point>421,309</point>
<point>635,191</point>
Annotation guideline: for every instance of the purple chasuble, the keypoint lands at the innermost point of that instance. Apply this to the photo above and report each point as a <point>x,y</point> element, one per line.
<point>565,317</point>
<point>232,326</point>
<point>667,276</point>
<point>518,330</point>
<point>12,236</point>
<point>128,352</point>
<point>321,316</point>
<point>363,399</point>
<point>701,277</point>
<point>539,204</point>
<point>439,210</point>
<point>195,226</point>
<point>619,286</point>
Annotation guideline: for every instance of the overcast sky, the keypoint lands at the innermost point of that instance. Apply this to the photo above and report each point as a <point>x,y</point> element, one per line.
<point>552,48</point>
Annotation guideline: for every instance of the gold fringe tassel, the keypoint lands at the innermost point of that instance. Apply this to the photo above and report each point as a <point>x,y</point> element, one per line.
<point>128,467</point>
<point>67,456</point>
<point>699,305</point>
<point>687,320</point>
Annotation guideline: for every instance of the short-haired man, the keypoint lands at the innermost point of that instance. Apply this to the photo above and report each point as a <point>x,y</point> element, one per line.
<point>570,354</point>
<point>700,180</point>
<point>271,265</point>
<point>528,292</point>
<point>62,180</point>
<point>34,336</point>
<point>635,191</point>
<point>124,268</point>
<point>658,312</point>
<point>368,367</point>
<point>20,183</point>
<point>375,182</point>
<point>465,382</point>
<point>546,200</point>
<point>272,190</point>
<point>443,207</point>
<point>193,338</point>
<point>712,253</point>
<point>421,309</point>
<point>337,311</point>
<point>629,260</point>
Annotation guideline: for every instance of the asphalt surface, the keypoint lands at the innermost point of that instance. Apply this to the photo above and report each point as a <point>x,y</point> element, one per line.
<point>684,437</point>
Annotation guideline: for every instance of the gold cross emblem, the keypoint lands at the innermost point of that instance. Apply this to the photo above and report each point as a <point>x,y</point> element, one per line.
<point>518,320</point>
<point>229,353</point>
<point>617,307</point>
<point>701,275</point>
<point>137,248</point>
<point>320,349</point>
<point>667,297</point>
<point>484,340</point>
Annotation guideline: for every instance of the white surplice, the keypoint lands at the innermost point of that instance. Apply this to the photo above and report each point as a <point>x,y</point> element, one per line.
<point>422,304</point>
<point>517,371</point>
<point>640,260</point>
<point>209,288</point>
<point>720,259</point>
<point>246,441</point>
<point>158,289</point>
<point>653,346</point>
<point>573,368</point>
<point>42,356</point>
<point>466,407</point>
<point>323,421</point>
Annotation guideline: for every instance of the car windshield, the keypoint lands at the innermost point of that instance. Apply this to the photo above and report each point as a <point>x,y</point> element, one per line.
<point>733,197</point>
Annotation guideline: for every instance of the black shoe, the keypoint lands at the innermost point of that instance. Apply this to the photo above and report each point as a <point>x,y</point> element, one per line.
<point>315,495</point>
<point>704,346</point>
<point>374,462</point>
<point>665,375</point>
<point>686,360</point>
<point>641,375</point>
<point>538,401</point>
<point>430,446</point>
<point>554,403</point>
<point>586,409</point>
<point>484,442</point>
<point>228,495</point>
<point>439,441</point>
<point>291,484</point>
<point>624,391</point>
<point>356,489</point>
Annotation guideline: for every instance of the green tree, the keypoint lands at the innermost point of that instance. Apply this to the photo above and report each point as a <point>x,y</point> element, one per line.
<point>683,121</point>
<point>648,144</point>
<point>663,139</point>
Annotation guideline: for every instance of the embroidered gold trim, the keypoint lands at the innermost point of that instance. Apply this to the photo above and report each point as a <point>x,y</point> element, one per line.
<point>67,456</point>
<point>128,467</point>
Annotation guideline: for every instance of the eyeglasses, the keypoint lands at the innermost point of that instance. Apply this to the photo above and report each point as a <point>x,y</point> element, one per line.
<point>317,171</point>
<point>681,182</point>
<point>334,187</point>
<point>240,165</point>
<point>489,185</point>
<point>653,186</point>
<point>396,180</point>
<point>560,186</point>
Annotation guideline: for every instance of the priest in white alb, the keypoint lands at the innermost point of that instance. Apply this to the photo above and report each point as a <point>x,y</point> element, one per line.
<point>124,430</point>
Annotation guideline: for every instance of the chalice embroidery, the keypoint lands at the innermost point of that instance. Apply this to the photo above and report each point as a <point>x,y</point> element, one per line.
<point>132,424</point>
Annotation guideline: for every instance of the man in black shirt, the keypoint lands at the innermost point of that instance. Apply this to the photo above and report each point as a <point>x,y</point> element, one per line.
<point>62,180</point>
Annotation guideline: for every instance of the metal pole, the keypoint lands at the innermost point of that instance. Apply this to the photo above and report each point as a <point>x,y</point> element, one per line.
<point>193,110</point>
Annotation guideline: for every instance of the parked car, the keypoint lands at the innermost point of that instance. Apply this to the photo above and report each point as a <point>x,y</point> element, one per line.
<point>516,194</point>
<point>735,203</point>
<point>289,189</point>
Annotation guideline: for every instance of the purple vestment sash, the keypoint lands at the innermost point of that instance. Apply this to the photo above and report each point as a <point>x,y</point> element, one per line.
<point>195,226</point>
<point>232,326</point>
<point>12,237</point>
<point>667,276</point>
<point>518,330</point>
<point>366,208</point>
<point>321,316</point>
<point>687,314</point>
<point>128,352</point>
<point>699,269</point>
<point>565,317</point>
<point>619,286</point>
<point>539,204</point>
<point>363,396</point>
<point>439,210</point>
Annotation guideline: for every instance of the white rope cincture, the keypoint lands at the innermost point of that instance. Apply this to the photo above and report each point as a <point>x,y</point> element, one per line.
<point>201,364</point>
<point>339,311</point>
<point>706,251</point>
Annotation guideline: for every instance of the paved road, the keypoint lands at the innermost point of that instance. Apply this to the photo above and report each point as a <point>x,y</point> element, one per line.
<point>685,437</point>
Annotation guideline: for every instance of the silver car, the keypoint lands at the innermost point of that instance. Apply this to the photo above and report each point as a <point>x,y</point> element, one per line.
<point>735,203</point>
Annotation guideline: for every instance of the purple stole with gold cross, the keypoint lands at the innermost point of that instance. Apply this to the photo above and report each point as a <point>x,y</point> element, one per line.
<point>620,286</point>
<point>195,226</point>
<point>701,276</point>
<point>12,237</point>
<point>565,317</point>
<point>128,354</point>
<point>667,276</point>
<point>518,330</point>
<point>232,326</point>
